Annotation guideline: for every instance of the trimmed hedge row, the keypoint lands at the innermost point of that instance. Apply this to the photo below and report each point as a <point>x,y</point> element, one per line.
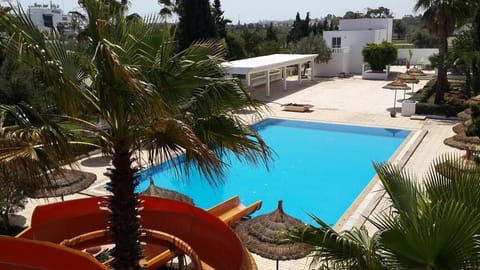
<point>443,109</point>
<point>424,108</point>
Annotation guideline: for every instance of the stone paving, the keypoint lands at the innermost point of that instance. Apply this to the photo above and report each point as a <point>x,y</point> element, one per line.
<point>340,100</point>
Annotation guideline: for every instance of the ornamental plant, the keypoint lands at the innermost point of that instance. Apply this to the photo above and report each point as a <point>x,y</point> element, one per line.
<point>379,55</point>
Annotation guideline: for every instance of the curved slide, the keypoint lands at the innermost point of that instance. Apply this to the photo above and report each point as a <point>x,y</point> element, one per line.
<point>214,242</point>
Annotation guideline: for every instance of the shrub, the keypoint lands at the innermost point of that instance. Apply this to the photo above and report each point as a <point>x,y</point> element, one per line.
<point>443,109</point>
<point>425,93</point>
<point>379,55</point>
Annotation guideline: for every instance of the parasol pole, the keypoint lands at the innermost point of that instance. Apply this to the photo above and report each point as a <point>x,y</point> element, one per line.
<point>277,264</point>
<point>395,101</point>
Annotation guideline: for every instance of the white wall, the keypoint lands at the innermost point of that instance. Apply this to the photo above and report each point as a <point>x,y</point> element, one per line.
<point>419,56</point>
<point>339,63</point>
<point>368,24</point>
<point>36,15</point>
<point>355,34</point>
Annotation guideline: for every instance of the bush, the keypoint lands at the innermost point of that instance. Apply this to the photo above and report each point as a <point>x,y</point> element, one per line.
<point>379,55</point>
<point>443,109</point>
<point>425,93</point>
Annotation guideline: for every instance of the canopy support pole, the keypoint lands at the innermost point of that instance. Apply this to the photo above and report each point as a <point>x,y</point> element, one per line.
<point>268,83</point>
<point>284,76</point>
<point>299,67</point>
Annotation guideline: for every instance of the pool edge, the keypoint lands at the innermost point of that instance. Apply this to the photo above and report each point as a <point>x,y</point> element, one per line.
<point>363,206</point>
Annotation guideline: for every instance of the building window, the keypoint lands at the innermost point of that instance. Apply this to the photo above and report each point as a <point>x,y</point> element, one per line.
<point>64,18</point>
<point>336,42</point>
<point>48,20</point>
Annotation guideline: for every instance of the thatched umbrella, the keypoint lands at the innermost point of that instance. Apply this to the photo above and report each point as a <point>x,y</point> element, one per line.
<point>65,182</point>
<point>153,190</point>
<point>397,84</point>
<point>408,78</point>
<point>261,236</point>
<point>415,72</point>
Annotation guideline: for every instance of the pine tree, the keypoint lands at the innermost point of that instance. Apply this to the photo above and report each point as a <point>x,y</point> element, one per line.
<point>195,22</point>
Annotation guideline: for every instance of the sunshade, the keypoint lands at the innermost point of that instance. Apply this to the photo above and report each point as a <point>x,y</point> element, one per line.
<point>415,72</point>
<point>408,78</point>
<point>397,84</point>
<point>66,182</point>
<point>261,236</point>
<point>153,190</point>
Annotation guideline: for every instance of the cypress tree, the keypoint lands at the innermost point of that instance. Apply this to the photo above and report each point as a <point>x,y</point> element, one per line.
<point>271,36</point>
<point>220,21</point>
<point>195,22</point>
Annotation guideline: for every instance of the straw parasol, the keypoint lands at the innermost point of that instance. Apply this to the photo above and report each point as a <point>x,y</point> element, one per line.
<point>261,236</point>
<point>65,182</point>
<point>408,78</point>
<point>397,84</point>
<point>415,72</point>
<point>153,190</point>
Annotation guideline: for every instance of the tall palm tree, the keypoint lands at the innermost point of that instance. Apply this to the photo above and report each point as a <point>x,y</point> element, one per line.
<point>442,17</point>
<point>432,227</point>
<point>151,98</point>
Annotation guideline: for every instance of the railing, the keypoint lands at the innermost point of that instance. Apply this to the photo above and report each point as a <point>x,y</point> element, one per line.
<point>256,80</point>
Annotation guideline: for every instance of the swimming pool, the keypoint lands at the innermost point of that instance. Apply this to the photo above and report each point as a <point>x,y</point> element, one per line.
<point>318,168</point>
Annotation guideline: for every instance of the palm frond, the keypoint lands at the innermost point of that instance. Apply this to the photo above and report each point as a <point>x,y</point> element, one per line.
<point>404,193</point>
<point>353,249</point>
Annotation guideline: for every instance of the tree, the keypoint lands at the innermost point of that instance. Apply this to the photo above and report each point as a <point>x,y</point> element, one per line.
<point>353,15</point>
<point>271,36</point>
<point>252,39</point>
<point>152,99</point>
<point>313,44</point>
<point>220,21</point>
<point>13,195</point>
<point>236,46</point>
<point>30,145</point>
<point>169,7</point>
<point>399,28</point>
<point>195,22</point>
<point>296,32</point>
<point>379,55</point>
<point>380,12</point>
<point>435,227</point>
<point>441,18</point>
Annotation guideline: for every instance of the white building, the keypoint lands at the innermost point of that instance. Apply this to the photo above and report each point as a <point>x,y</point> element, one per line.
<point>46,17</point>
<point>348,42</point>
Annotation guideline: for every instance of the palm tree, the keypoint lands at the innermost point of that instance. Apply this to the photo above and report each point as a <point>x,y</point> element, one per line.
<point>432,227</point>
<point>29,147</point>
<point>151,98</point>
<point>442,17</point>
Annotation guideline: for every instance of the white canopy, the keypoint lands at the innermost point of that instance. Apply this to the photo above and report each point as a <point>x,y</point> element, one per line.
<point>268,63</point>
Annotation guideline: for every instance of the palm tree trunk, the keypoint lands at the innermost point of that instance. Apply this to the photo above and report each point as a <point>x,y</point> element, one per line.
<point>124,222</point>
<point>442,82</point>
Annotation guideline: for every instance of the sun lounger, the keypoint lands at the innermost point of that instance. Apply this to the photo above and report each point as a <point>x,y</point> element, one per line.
<point>295,107</point>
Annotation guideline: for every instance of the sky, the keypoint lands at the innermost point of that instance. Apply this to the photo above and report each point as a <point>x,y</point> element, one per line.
<point>247,11</point>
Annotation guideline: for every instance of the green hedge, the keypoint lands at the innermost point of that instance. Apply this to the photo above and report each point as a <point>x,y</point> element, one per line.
<point>443,109</point>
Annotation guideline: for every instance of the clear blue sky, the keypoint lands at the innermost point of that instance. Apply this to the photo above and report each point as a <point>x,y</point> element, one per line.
<point>254,10</point>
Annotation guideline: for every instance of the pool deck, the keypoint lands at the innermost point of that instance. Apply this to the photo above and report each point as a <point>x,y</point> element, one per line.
<point>336,100</point>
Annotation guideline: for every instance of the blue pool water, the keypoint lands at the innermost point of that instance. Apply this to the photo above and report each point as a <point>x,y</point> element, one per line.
<point>318,168</point>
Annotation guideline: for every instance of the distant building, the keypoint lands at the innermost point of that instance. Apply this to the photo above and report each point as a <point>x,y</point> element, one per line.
<point>49,16</point>
<point>46,17</point>
<point>348,42</point>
